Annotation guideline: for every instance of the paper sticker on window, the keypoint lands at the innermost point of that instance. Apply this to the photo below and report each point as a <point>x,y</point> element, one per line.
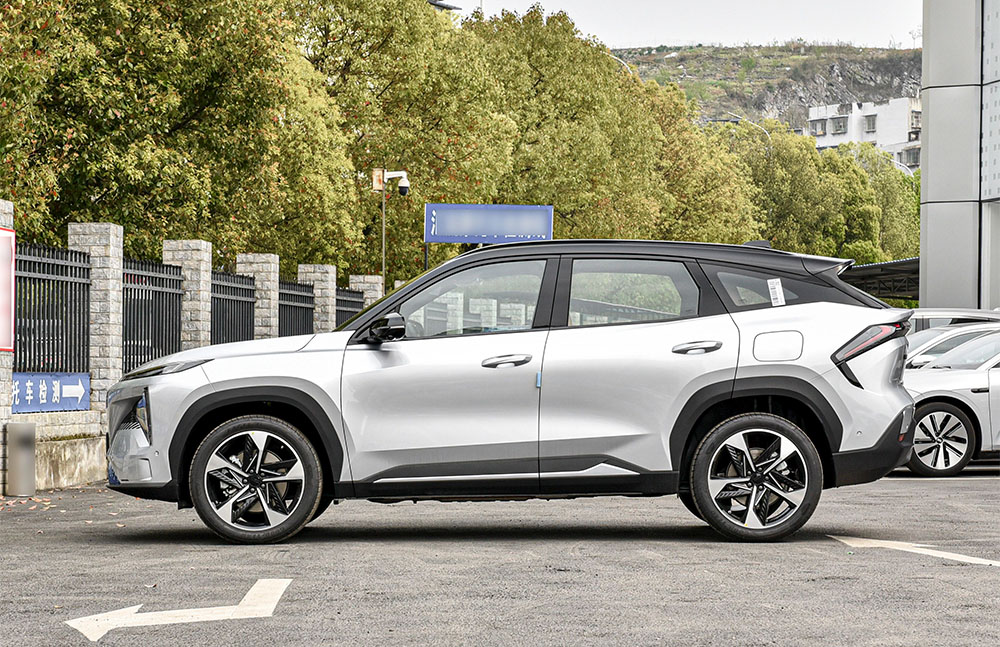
<point>777,293</point>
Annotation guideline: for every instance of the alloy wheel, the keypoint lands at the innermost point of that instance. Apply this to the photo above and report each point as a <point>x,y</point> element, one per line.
<point>254,480</point>
<point>940,440</point>
<point>758,478</point>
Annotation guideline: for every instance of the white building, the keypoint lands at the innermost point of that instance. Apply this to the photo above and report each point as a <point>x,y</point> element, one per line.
<point>892,125</point>
<point>960,185</point>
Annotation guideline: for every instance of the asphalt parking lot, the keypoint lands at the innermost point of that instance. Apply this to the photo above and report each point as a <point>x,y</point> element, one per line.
<point>588,571</point>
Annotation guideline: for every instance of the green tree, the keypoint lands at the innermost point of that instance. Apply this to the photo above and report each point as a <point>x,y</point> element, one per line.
<point>702,187</point>
<point>180,120</point>
<point>897,196</point>
<point>584,140</point>
<point>417,94</point>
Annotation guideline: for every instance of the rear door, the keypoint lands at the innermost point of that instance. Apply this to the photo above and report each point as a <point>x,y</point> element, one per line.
<point>632,339</point>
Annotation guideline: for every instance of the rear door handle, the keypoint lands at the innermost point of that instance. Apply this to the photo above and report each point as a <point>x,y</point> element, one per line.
<point>506,360</point>
<point>697,347</point>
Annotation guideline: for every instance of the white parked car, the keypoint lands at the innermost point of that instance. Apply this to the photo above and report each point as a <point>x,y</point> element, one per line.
<point>927,345</point>
<point>925,318</point>
<point>958,407</point>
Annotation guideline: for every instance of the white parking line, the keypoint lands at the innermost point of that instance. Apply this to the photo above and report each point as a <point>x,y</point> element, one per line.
<point>920,549</point>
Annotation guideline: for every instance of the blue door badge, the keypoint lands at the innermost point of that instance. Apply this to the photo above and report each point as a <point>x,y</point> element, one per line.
<point>51,392</point>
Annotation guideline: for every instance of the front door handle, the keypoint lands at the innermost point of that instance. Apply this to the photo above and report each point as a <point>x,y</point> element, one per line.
<point>697,347</point>
<point>506,360</point>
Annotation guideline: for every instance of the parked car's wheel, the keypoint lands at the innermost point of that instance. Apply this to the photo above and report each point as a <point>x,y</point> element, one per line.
<point>943,440</point>
<point>756,477</point>
<point>255,480</point>
<point>688,500</point>
<point>321,508</point>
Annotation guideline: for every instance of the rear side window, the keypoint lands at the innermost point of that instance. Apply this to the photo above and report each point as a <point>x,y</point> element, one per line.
<point>608,291</point>
<point>744,288</point>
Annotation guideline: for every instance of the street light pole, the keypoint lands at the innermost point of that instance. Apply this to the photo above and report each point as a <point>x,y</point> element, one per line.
<point>383,236</point>
<point>380,181</point>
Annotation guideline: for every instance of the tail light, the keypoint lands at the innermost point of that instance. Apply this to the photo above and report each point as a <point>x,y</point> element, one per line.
<point>865,341</point>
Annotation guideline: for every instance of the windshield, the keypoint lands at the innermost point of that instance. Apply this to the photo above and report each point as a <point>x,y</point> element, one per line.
<point>918,339</point>
<point>972,354</point>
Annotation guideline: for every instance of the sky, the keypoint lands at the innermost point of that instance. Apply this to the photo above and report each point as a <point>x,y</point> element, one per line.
<point>640,23</point>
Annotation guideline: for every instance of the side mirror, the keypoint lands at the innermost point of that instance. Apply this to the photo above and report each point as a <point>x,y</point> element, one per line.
<point>387,328</point>
<point>920,361</point>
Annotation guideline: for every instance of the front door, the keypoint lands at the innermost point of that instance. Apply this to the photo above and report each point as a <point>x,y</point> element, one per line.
<point>452,407</point>
<point>619,365</point>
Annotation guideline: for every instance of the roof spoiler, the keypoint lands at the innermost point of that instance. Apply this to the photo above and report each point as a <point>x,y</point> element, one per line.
<point>820,264</point>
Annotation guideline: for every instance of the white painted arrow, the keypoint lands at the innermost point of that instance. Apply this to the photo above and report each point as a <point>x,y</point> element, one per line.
<point>259,602</point>
<point>73,390</point>
<point>920,549</point>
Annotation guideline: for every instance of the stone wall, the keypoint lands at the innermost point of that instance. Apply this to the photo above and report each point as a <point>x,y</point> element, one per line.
<point>369,285</point>
<point>265,270</point>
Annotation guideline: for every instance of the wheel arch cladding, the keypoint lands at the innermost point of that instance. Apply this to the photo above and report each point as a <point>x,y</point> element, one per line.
<point>291,405</point>
<point>964,408</point>
<point>788,397</point>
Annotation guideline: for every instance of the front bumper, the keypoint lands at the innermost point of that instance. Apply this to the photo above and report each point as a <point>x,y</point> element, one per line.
<point>872,463</point>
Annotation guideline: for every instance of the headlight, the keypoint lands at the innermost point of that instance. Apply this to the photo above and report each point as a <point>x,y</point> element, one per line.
<point>164,369</point>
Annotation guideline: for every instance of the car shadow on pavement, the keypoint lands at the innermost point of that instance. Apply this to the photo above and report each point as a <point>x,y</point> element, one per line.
<point>436,532</point>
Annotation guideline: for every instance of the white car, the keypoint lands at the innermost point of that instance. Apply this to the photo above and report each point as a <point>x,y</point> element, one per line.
<point>927,345</point>
<point>926,318</point>
<point>958,407</point>
<point>744,380</point>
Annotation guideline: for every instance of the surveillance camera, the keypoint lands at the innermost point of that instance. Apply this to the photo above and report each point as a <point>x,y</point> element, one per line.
<point>404,186</point>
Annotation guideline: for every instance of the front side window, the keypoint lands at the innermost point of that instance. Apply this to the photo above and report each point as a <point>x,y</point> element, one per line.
<point>952,343</point>
<point>609,291</point>
<point>499,297</point>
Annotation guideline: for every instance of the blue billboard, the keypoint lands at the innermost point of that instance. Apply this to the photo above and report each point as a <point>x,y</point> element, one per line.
<point>51,392</point>
<point>486,223</point>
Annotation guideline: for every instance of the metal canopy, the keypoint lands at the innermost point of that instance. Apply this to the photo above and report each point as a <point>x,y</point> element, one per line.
<point>890,280</point>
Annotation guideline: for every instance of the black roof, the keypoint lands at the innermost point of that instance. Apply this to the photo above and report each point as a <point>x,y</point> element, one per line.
<point>746,254</point>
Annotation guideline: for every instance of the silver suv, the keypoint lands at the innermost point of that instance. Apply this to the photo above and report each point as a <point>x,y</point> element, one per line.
<point>743,379</point>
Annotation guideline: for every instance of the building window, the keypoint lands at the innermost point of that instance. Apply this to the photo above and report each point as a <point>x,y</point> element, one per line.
<point>870,123</point>
<point>912,157</point>
<point>817,127</point>
<point>914,120</point>
<point>839,125</point>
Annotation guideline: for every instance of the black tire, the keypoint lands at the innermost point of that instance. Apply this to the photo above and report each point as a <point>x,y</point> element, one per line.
<point>688,500</point>
<point>321,508</point>
<point>243,479</point>
<point>798,477</point>
<point>926,418</point>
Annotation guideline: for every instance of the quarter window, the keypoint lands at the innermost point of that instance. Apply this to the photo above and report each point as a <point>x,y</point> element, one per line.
<point>748,289</point>
<point>492,298</point>
<point>608,291</point>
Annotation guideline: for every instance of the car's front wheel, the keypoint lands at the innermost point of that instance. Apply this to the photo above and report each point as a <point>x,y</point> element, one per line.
<point>255,479</point>
<point>943,440</point>
<point>756,477</point>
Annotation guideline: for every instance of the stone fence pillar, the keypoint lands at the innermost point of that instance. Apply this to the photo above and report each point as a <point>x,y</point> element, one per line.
<point>195,260</point>
<point>264,269</point>
<point>324,281</point>
<point>103,241</point>
<point>6,368</point>
<point>368,284</point>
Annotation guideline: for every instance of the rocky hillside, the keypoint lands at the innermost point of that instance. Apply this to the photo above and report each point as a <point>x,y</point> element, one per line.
<point>779,81</point>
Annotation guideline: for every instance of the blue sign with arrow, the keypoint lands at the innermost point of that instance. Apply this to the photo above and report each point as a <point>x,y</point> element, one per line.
<point>486,223</point>
<point>51,392</point>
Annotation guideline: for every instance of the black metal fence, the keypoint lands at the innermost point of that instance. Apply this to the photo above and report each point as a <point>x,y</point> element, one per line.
<point>233,296</point>
<point>51,310</point>
<point>295,308</point>
<point>349,303</point>
<point>151,311</point>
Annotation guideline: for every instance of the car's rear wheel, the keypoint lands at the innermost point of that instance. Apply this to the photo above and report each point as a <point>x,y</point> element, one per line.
<point>255,480</point>
<point>943,440</point>
<point>756,477</point>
